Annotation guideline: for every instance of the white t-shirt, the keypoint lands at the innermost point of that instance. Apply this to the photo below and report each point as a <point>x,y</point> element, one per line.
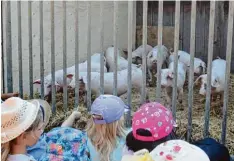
<point>20,157</point>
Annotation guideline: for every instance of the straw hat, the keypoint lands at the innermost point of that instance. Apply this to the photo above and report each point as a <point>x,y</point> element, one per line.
<point>17,116</point>
<point>178,150</point>
<point>47,110</point>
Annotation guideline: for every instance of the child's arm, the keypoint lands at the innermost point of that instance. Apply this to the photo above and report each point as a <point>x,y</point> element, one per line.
<point>5,96</point>
<point>70,120</point>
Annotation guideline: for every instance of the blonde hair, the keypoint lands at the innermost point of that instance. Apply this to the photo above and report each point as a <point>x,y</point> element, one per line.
<point>104,137</point>
<point>6,147</point>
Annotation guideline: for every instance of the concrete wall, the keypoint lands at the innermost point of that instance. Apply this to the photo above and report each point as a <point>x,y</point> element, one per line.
<point>95,34</point>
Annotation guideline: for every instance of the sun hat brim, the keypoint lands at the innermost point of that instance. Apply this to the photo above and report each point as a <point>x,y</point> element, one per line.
<point>30,115</point>
<point>47,110</point>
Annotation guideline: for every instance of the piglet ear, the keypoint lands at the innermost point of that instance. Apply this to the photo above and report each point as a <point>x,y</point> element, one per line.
<point>171,75</point>
<point>37,81</point>
<point>70,76</point>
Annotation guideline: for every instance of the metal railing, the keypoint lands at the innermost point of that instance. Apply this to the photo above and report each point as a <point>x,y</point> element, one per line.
<point>8,55</point>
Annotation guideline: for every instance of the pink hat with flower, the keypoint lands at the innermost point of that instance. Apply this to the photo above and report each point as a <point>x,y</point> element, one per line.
<point>155,118</point>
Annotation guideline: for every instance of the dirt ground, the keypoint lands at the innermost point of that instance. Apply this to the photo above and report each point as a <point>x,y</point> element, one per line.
<point>198,112</point>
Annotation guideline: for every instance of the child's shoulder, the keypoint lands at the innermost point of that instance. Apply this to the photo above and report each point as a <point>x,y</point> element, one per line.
<point>20,157</point>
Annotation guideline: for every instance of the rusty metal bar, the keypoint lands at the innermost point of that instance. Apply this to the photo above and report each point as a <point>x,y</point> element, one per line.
<point>210,57</point>
<point>191,69</point>
<point>115,46</point>
<point>102,49</point>
<point>89,55</point>
<point>9,48</point>
<point>20,50</point>
<point>30,49</point>
<point>228,63</point>
<point>64,56</point>
<point>41,49</point>
<point>77,55</point>
<point>52,58</point>
<point>130,20</point>
<point>176,47</point>
<point>159,56</point>
<point>144,42</point>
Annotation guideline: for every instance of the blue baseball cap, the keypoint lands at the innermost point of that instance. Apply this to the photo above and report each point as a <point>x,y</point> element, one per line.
<point>110,107</point>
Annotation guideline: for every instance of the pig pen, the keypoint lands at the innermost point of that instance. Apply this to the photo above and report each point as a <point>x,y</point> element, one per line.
<point>181,114</point>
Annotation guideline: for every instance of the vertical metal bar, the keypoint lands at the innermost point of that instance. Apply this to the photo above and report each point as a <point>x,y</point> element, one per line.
<point>20,50</point>
<point>228,63</point>
<point>9,48</point>
<point>191,69</point>
<point>102,49</point>
<point>115,46</point>
<point>64,56</point>
<point>2,47</point>
<point>159,56</point>
<point>144,42</point>
<point>30,48</point>
<point>130,20</point>
<point>41,49</point>
<point>77,55</point>
<point>176,47</point>
<point>210,56</point>
<point>89,55</point>
<point>52,57</point>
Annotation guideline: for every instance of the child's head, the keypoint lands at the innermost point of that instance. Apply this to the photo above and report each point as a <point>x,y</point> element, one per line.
<point>22,124</point>
<point>152,124</point>
<point>178,150</point>
<point>106,124</point>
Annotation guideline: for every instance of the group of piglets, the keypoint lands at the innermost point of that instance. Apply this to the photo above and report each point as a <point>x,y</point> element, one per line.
<point>152,59</point>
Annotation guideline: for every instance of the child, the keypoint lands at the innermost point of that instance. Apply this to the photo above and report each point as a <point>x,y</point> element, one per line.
<point>159,122</point>
<point>106,128</point>
<point>21,126</point>
<point>62,142</point>
<point>152,125</point>
<point>176,150</point>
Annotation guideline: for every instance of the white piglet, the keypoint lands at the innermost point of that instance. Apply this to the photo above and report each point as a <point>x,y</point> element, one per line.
<point>95,67</point>
<point>121,62</point>
<point>137,54</point>
<point>152,59</point>
<point>184,57</point>
<point>167,76</point>
<point>122,84</point>
<point>217,79</point>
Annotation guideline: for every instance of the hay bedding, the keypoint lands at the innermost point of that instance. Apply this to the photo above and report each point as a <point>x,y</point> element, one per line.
<point>198,112</point>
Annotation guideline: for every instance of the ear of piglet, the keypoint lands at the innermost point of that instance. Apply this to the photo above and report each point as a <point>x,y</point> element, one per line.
<point>70,76</point>
<point>171,75</point>
<point>37,81</point>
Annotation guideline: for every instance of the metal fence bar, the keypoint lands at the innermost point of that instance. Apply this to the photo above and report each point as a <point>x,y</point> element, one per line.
<point>20,50</point>
<point>9,48</point>
<point>77,55</point>
<point>2,57</point>
<point>64,56</point>
<point>227,76</point>
<point>144,42</point>
<point>89,56</point>
<point>102,49</point>
<point>176,47</point>
<point>30,49</point>
<point>191,69</point>
<point>115,46</point>
<point>210,57</point>
<point>130,19</point>
<point>159,56</point>
<point>41,49</point>
<point>52,58</point>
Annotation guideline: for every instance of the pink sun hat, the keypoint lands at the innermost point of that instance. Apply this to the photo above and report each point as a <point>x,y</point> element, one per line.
<point>155,118</point>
